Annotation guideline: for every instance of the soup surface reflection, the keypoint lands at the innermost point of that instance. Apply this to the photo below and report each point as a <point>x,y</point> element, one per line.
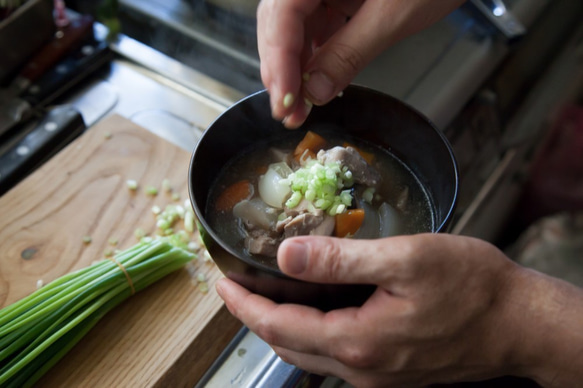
<point>274,190</point>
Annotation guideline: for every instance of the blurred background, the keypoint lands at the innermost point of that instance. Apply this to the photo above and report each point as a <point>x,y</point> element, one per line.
<point>502,79</point>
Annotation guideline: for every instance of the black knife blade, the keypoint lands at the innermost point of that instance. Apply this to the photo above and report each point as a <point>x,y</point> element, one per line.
<point>46,137</point>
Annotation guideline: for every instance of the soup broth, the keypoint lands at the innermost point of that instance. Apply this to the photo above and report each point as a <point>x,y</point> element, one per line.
<point>410,206</point>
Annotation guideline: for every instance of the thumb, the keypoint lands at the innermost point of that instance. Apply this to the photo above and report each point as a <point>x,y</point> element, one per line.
<point>336,260</point>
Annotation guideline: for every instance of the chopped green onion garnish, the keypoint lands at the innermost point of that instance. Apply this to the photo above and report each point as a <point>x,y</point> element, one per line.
<point>180,211</point>
<point>140,233</point>
<point>132,184</point>
<point>193,246</point>
<point>320,184</point>
<point>189,221</point>
<point>166,186</point>
<point>151,190</point>
<point>368,195</point>
<point>162,224</point>
<point>203,287</point>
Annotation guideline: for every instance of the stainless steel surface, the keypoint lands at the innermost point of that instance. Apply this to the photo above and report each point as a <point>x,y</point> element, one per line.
<point>94,101</point>
<point>171,72</point>
<point>439,69</point>
<point>180,15</point>
<point>436,71</point>
<point>242,7</point>
<point>496,12</point>
<point>155,91</point>
<point>252,364</point>
<point>198,39</point>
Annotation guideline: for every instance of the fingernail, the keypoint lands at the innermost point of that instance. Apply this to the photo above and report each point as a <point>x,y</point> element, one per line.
<point>295,121</point>
<point>274,108</point>
<point>320,87</point>
<point>286,122</point>
<point>299,258</point>
<point>288,100</point>
<point>219,286</point>
<point>307,108</point>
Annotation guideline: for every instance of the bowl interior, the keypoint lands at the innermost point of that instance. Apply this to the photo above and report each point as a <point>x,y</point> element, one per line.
<point>362,113</point>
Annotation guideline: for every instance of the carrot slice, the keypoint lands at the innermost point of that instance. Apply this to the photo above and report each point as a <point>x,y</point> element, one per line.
<point>368,156</point>
<point>311,142</point>
<point>348,222</point>
<point>234,194</point>
<point>261,170</point>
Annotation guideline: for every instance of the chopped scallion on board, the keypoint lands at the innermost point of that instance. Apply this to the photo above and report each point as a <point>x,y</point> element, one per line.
<point>40,329</point>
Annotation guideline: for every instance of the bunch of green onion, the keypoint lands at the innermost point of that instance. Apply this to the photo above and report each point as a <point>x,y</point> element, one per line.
<point>40,329</point>
<point>323,185</point>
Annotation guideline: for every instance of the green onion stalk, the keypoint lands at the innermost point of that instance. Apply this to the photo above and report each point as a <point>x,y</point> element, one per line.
<point>38,330</point>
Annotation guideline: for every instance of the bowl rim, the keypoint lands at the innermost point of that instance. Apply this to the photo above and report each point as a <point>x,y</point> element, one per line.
<point>276,271</point>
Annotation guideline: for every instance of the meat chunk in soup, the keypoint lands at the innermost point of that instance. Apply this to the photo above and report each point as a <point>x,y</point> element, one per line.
<point>327,187</point>
<point>362,172</point>
<point>308,223</point>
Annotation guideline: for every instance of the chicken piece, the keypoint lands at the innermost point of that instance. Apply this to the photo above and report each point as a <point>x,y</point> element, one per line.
<point>362,172</point>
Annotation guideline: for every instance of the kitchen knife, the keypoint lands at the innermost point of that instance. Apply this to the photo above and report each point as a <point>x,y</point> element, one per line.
<point>92,101</point>
<point>74,67</point>
<point>46,137</point>
<point>13,109</point>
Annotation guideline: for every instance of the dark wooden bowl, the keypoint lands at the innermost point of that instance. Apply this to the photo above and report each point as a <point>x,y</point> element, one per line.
<point>362,113</point>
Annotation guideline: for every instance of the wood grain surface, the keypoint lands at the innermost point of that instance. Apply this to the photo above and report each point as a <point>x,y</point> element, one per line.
<point>166,335</point>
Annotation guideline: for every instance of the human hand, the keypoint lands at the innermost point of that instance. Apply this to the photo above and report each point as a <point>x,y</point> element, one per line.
<point>310,50</point>
<point>446,309</point>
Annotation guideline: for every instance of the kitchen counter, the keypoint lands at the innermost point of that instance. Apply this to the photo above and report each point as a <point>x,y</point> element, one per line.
<point>438,71</point>
<point>153,90</point>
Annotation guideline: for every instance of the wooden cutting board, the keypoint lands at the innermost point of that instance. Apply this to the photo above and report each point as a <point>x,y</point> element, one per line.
<point>166,335</point>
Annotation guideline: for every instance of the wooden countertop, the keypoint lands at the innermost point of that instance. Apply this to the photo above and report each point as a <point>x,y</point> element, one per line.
<point>166,335</point>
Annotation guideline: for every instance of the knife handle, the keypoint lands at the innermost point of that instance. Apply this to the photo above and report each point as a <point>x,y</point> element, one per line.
<point>65,40</point>
<point>69,71</point>
<point>59,126</point>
